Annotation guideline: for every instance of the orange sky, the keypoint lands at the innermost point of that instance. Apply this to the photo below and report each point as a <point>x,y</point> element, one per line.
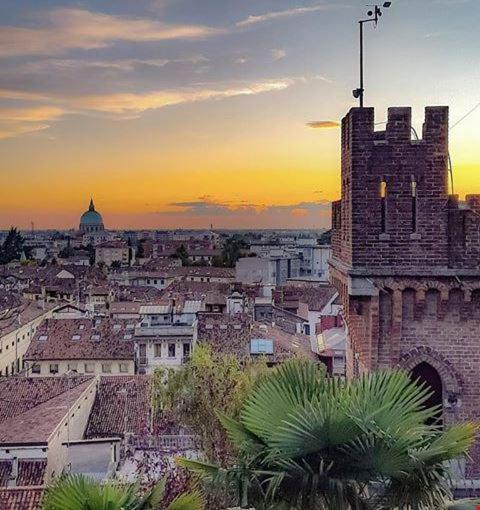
<point>175,116</point>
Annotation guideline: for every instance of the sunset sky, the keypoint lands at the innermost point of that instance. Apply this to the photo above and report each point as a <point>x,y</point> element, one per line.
<point>183,113</point>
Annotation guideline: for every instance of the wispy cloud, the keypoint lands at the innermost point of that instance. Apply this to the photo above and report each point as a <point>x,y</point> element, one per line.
<point>14,129</point>
<point>130,103</point>
<point>33,114</point>
<point>278,54</point>
<point>323,124</point>
<point>123,105</point>
<point>288,13</point>
<point>122,65</point>
<point>67,28</point>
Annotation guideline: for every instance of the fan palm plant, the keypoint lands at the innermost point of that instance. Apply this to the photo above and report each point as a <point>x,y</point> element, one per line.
<point>78,492</point>
<point>307,441</point>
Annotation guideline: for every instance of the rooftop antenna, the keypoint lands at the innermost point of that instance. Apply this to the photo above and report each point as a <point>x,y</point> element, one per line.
<point>374,16</point>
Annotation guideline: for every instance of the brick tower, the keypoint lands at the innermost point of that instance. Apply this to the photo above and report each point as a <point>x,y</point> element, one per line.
<point>406,260</point>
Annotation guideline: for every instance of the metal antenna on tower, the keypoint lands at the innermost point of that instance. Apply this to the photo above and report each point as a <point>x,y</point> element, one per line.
<point>374,16</point>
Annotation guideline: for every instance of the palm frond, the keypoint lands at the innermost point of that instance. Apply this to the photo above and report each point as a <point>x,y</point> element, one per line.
<point>189,501</point>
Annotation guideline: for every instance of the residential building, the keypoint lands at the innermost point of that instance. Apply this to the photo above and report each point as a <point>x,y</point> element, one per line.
<point>83,346</point>
<point>164,337</point>
<point>18,325</point>
<point>113,252</point>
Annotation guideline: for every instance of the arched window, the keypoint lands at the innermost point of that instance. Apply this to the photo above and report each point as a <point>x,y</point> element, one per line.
<point>455,301</point>
<point>432,299</point>
<point>425,374</point>
<point>408,304</point>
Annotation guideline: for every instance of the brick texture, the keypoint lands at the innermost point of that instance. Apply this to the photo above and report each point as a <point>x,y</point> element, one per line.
<point>406,257</point>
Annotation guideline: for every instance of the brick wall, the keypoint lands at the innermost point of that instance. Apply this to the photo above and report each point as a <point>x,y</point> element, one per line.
<point>406,257</point>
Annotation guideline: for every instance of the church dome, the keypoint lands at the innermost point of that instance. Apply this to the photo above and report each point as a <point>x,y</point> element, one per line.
<point>91,220</point>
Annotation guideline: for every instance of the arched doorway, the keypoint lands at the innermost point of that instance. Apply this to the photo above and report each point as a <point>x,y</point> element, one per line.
<point>428,375</point>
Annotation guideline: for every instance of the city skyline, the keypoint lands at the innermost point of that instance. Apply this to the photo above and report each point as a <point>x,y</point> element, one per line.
<point>171,115</point>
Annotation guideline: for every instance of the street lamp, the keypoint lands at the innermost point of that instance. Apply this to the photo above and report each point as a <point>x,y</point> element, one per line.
<point>374,16</point>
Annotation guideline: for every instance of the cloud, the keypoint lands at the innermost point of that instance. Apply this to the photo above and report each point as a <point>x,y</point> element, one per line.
<point>206,210</point>
<point>206,206</point>
<point>33,114</point>
<point>131,103</point>
<point>68,28</point>
<point>18,94</point>
<point>288,13</point>
<point>123,65</point>
<point>122,105</point>
<point>278,54</point>
<point>323,124</point>
<point>14,129</point>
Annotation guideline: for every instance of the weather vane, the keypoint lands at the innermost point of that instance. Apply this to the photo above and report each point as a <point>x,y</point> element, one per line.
<point>374,16</point>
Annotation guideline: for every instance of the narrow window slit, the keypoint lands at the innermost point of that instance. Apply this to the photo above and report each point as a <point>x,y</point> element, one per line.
<point>414,205</point>
<point>383,202</point>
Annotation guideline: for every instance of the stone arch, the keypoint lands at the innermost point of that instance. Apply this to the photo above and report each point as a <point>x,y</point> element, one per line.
<point>427,375</point>
<point>451,380</point>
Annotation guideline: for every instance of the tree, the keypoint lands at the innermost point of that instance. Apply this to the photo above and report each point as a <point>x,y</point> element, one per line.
<point>306,441</point>
<point>140,251</point>
<point>206,384</point>
<point>325,237</point>
<point>232,249</point>
<point>12,247</point>
<point>78,492</point>
<point>182,254</point>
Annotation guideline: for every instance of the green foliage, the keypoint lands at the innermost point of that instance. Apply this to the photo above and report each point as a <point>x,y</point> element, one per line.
<point>205,385</point>
<point>140,251</point>
<point>182,254</point>
<point>12,247</point>
<point>312,442</point>
<point>325,237</point>
<point>78,492</point>
<point>232,249</point>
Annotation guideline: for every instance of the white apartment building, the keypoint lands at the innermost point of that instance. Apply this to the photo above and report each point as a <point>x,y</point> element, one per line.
<point>164,337</point>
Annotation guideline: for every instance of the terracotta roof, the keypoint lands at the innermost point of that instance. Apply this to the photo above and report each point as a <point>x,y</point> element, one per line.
<point>316,297</point>
<point>203,271</point>
<point>232,334</point>
<point>20,394</point>
<point>82,339</point>
<point>37,424</point>
<point>21,498</point>
<point>117,395</point>
<point>125,307</point>
<point>30,472</point>
<point>25,313</point>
